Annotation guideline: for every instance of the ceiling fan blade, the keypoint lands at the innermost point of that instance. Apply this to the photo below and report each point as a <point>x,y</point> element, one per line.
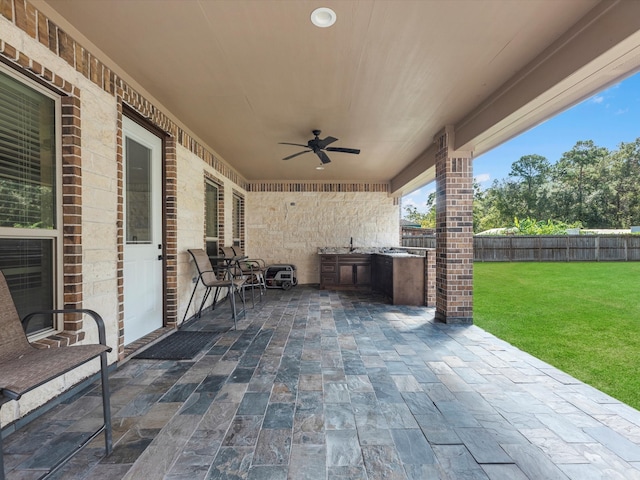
<point>326,141</point>
<point>343,150</point>
<point>296,144</point>
<point>296,154</point>
<point>323,156</point>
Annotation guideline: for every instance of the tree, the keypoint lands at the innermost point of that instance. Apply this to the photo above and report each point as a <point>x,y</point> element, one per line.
<point>505,200</point>
<point>533,173</point>
<point>589,185</point>
<point>425,220</point>
<point>485,213</point>
<point>576,178</point>
<point>625,173</point>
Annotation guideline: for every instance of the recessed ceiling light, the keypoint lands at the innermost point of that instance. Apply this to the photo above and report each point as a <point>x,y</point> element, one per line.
<point>319,167</point>
<point>323,17</point>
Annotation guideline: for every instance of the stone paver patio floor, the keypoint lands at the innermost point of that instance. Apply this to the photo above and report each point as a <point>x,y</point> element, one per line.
<point>328,385</point>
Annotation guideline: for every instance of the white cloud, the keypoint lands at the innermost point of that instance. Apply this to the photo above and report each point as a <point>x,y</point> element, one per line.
<point>418,193</point>
<point>622,111</point>
<point>483,177</point>
<point>597,99</point>
<point>417,199</point>
<point>408,202</point>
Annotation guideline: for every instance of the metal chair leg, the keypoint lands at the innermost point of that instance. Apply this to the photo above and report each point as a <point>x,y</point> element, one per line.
<point>244,303</point>
<point>253,295</point>
<point>204,299</point>
<point>215,299</point>
<point>1,452</point>
<point>186,312</point>
<point>232,300</point>
<point>106,403</point>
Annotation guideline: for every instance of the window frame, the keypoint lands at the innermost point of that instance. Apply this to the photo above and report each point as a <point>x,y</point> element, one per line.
<point>237,216</point>
<point>209,182</point>
<point>55,234</point>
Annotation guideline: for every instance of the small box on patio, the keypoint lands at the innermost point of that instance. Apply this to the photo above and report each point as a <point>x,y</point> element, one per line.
<point>281,276</point>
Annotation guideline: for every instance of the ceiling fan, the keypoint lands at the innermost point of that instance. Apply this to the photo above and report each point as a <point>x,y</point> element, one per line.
<point>319,146</point>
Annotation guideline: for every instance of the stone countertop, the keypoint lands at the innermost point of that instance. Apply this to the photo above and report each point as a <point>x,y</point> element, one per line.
<point>390,251</point>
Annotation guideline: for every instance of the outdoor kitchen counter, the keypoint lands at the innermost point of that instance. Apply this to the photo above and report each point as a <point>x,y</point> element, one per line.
<point>397,274</point>
<point>394,251</point>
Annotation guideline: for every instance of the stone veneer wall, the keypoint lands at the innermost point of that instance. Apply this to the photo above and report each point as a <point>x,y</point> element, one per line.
<point>191,220</point>
<point>286,223</point>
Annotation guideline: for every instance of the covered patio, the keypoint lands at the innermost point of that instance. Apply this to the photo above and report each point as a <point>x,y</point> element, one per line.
<point>329,385</point>
<point>158,127</point>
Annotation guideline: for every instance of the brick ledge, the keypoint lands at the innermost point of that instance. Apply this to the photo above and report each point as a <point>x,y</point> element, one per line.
<point>59,339</point>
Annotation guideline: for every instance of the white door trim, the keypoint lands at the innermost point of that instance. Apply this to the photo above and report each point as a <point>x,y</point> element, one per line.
<point>142,228</point>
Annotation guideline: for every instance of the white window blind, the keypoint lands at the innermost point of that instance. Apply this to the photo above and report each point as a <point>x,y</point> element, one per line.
<point>29,235</point>
<point>27,156</point>
<point>238,219</point>
<point>211,218</point>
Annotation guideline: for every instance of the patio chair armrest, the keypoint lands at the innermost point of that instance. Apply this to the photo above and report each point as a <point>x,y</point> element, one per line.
<point>216,271</point>
<point>102,337</point>
<point>206,271</point>
<point>222,271</point>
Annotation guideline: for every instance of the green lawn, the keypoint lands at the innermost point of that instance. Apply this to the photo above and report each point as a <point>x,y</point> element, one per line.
<point>583,318</point>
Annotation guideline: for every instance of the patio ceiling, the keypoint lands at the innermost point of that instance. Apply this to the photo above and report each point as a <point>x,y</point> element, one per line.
<point>244,75</point>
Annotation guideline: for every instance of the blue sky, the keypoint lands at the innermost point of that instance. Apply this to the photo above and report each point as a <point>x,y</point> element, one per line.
<point>609,118</point>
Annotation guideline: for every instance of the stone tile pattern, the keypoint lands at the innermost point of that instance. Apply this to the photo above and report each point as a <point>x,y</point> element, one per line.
<point>329,385</point>
<point>454,231</point>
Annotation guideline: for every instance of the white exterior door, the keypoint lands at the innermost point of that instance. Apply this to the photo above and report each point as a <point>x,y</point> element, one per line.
<point>143,289</point>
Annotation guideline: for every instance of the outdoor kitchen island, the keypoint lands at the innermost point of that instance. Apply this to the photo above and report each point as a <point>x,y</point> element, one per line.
<point>397,274</point>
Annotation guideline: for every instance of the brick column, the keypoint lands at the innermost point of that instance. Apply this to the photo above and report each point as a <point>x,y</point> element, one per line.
<point>454,231</point>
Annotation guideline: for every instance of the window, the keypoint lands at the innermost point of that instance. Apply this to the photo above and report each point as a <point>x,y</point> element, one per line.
<point>211,218</point>
<point>139,194</point>
<point>29,199</point>
<point>238,220</point>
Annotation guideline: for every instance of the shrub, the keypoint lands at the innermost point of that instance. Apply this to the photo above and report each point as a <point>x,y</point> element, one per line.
<point>530,226</point>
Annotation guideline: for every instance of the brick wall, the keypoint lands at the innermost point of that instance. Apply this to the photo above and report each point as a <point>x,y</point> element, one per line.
<point>454,232</point>
<point>430,277</point>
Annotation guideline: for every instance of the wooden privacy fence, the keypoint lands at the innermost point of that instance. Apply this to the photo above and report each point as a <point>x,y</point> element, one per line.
<point>551,248</point>
<point>420,241</point>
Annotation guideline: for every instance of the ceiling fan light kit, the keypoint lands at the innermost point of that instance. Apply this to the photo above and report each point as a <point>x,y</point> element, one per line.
<point>319,147</point>
<point>323,17</point>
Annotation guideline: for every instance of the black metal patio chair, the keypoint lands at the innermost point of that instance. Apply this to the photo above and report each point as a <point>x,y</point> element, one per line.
<point>24,367</point>
<point>255,270</point>
<point>217,277</point>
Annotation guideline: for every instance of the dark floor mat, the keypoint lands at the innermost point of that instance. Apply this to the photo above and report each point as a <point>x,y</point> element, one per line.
<point>182,345</point>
